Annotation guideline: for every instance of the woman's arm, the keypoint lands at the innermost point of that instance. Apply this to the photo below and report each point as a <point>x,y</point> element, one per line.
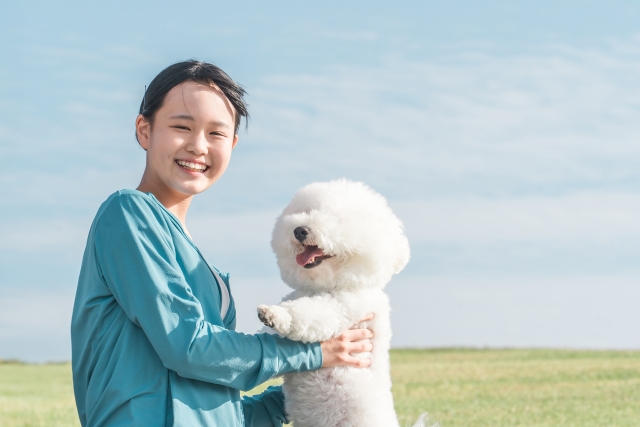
<point>138,263</point>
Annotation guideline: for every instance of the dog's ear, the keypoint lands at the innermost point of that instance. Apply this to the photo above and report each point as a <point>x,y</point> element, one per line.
<point>402,253</point>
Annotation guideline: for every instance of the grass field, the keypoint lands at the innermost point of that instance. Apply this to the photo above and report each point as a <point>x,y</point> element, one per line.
<point>471,388</point>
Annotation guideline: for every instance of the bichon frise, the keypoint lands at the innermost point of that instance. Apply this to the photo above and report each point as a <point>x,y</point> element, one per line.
<point>338,244</point>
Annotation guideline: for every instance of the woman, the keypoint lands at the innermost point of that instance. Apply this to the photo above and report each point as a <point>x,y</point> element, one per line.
<point>153,324</point>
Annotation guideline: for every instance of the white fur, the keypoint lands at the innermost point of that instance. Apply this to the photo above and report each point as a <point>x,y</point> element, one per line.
<point>354,224</point>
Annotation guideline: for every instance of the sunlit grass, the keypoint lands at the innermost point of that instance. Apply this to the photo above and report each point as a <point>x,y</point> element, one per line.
<point>518,387</point>
<point>36,395</point>
<point>471,388</point>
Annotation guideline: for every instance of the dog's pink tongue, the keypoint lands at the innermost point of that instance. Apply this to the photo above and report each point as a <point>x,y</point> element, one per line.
<point>309,253</point>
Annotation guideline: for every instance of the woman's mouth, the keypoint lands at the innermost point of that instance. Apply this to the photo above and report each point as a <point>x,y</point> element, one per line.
<point>311,257</point>
<point>191,166</point>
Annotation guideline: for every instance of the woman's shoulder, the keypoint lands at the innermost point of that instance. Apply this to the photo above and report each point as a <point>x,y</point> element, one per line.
<point>127,206</point>
<point>134,218</point>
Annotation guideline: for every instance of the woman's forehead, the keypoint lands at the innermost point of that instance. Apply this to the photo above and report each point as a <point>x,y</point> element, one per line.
<point>197,100</point>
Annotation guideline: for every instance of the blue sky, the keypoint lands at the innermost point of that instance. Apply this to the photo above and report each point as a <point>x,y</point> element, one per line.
<point>505,135</point>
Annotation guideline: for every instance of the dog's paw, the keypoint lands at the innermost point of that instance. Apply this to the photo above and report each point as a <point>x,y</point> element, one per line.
<point>275,317</point>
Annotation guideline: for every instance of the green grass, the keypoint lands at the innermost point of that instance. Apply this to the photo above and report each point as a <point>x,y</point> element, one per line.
<point>518,387</point>
<point>471,388</point>
<point>36,395</point>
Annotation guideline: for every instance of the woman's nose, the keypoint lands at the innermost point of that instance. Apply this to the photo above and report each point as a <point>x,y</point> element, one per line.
<point>198,144</point>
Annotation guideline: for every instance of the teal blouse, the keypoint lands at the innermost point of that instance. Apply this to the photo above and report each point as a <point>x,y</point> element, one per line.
<point>149,346</point>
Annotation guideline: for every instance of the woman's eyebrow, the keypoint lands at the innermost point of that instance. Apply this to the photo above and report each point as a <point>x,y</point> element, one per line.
<point>182,116</point>
<point>188,117</point>
<point>220,123</point>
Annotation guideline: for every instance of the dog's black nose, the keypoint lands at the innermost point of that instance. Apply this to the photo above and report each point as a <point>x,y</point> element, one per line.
<point>301,233</point>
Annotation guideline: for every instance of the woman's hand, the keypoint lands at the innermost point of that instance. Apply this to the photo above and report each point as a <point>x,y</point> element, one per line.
<point>337,351</point>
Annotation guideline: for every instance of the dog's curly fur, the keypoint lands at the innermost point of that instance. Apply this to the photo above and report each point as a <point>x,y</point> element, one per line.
<point>338,244</point>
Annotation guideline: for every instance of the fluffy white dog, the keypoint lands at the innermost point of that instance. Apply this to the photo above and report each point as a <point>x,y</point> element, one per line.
<point>338,244</point>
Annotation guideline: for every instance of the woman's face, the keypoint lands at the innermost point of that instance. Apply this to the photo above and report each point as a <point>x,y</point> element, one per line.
<point>190,142</point>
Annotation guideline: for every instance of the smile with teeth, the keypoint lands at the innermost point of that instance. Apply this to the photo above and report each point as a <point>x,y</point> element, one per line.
<point>190,166</point>
<point>311,257</point>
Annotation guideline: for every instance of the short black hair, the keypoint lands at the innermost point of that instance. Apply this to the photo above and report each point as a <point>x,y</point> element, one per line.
<point>196,71</point>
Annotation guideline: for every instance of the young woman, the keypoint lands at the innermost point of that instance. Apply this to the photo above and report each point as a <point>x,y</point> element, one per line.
<point>153,324</point>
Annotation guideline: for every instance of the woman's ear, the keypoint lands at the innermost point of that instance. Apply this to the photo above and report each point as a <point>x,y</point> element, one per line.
<point>235,141</point>
<point>143,130</point>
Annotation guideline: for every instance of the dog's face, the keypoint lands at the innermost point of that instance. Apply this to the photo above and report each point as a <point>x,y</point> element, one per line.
<point>338,235</point>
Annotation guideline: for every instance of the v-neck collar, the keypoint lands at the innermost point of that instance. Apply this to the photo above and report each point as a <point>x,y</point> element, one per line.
<point>193,245</point>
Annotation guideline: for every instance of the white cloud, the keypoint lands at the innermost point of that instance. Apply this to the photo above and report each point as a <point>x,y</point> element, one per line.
<point>233,233</point>
<point>471,148</point>
<point>579,312</point>
<point>35,324</point>
<point>552,118</point>
<point>351,35</point>
<point>79,190</point>
<point>44,235</point>
<point>578,233</point>
<point>426,312</point>
<point>584,216</point>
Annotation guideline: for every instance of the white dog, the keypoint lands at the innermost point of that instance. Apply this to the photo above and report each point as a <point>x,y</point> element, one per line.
<point>338,244</point>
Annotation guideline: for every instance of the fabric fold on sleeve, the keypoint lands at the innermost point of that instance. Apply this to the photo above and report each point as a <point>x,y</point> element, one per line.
<point>265,409</point>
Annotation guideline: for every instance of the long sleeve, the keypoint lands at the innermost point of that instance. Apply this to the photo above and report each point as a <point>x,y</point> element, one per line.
<point>137,260</point>
<point>265,409</point>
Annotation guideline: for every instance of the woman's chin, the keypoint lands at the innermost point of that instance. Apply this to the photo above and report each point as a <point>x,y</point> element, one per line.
<point>189,187</point>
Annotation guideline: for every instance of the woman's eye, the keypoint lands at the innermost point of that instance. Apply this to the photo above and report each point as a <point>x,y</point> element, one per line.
<point>181,127</point>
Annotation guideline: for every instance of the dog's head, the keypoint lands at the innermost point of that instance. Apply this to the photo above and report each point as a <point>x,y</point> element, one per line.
<point>339,235</point>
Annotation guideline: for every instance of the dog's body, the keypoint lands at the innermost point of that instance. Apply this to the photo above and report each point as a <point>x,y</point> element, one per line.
<point>338,244</point>
<point>340,396</point>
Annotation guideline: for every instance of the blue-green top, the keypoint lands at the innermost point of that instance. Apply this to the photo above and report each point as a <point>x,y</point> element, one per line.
<point>149,346</point>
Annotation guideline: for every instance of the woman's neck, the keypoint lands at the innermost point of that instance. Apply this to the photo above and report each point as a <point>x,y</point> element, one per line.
<point>175,202</point>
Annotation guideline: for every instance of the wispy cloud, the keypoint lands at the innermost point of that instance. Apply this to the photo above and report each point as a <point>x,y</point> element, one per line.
<point>44,316</point>
<point>576,216</point>
<point>580,312</point>
<point>553,119</point>
<point>500,163</point>
<point>351,35</point>
<point>43,235</point>
<point>533,236</point>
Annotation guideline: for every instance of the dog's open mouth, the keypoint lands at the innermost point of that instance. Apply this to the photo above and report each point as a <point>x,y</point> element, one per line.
<point>311,257</point>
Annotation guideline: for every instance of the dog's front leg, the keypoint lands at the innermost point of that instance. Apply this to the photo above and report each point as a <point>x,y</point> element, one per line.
<point>312,319</point>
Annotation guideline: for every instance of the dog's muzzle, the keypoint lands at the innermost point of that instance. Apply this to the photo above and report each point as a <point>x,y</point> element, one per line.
<point>311,256</point>
<point>301,233</point>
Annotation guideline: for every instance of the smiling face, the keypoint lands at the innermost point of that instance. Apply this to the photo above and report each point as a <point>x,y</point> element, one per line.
<point>189,142</point>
